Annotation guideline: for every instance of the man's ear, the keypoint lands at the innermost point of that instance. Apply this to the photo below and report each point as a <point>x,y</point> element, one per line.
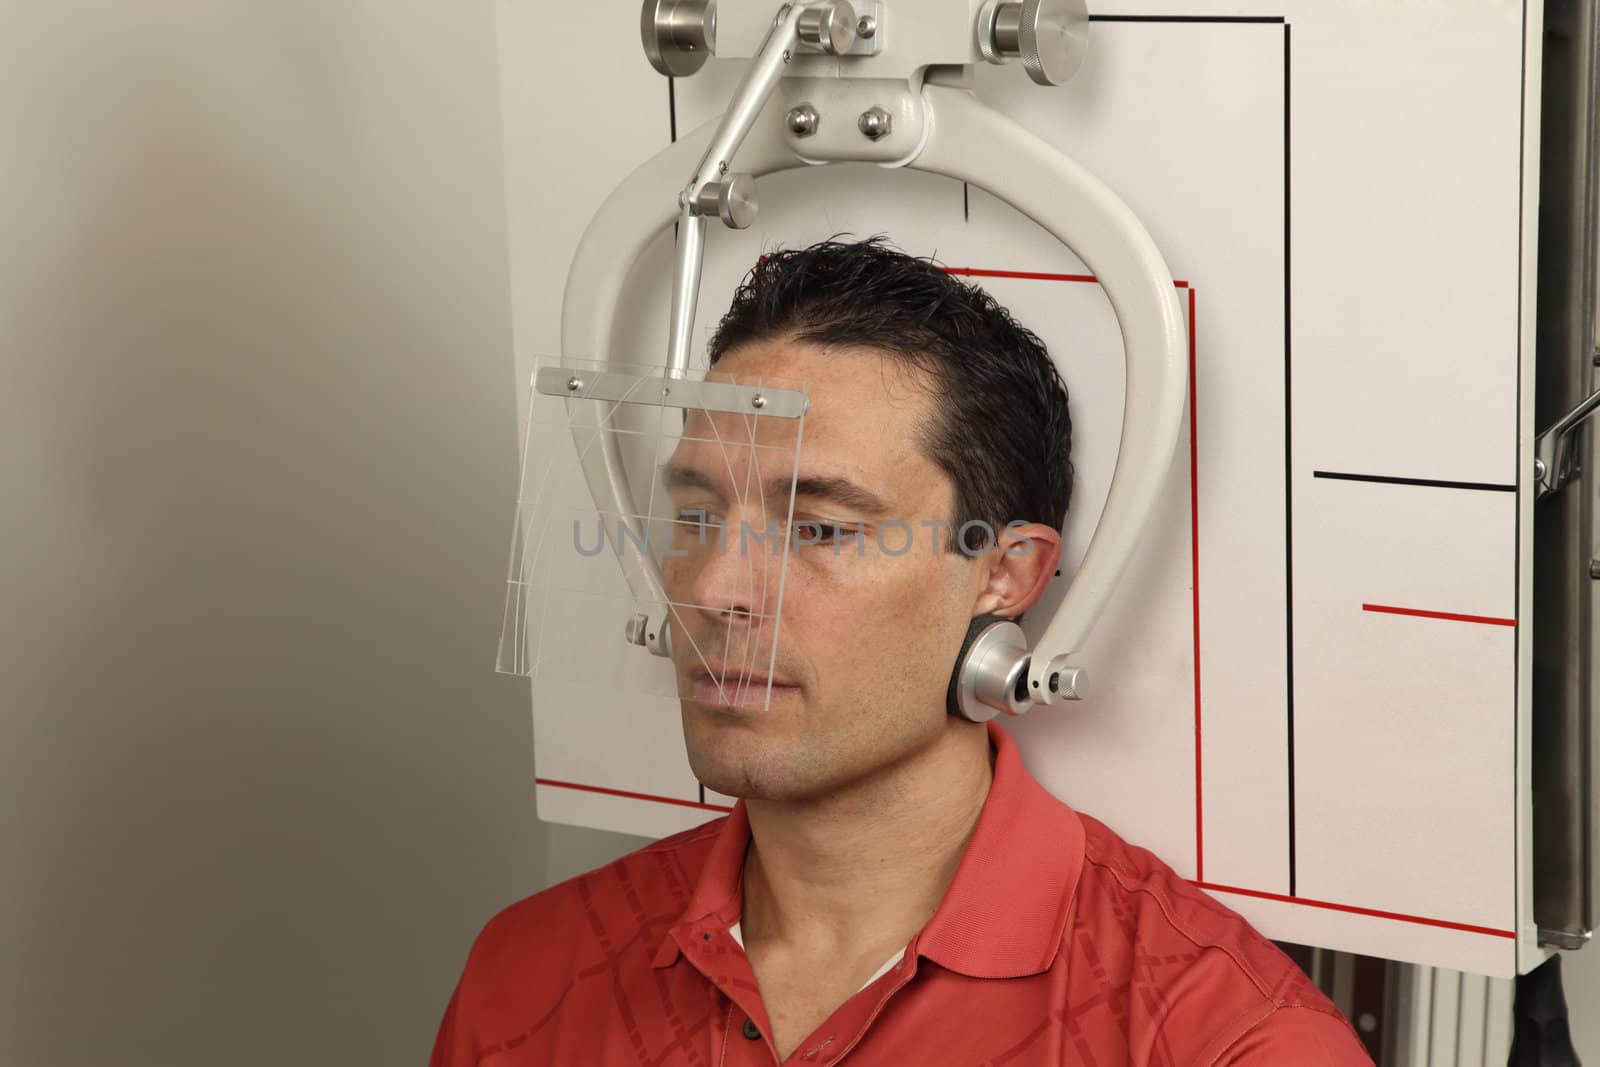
<point>1021,564</point>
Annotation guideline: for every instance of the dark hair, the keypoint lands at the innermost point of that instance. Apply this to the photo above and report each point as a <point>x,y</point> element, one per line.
<point>1002,432</point>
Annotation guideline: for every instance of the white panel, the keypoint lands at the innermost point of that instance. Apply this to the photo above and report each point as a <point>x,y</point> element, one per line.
<point>1404,725</point>
<point>1406,232</point>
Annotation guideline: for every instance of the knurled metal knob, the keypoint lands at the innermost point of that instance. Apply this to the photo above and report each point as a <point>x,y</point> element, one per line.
<point>1051,36</point>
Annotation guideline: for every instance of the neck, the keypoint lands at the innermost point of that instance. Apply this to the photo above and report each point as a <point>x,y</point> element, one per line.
<point>868,864</point>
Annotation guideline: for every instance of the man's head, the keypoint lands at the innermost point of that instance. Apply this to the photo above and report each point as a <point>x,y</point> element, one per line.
<point>938,429</point>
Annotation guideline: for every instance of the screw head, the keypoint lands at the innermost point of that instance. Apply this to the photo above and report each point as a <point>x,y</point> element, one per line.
<point>875,123</point>
<point>758,401</point>
<point>866,27</point>
<point>802,120</point>
<point>574,383</point>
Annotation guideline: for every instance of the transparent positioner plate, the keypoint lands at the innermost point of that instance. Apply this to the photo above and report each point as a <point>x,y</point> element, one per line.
<point>650,495</point>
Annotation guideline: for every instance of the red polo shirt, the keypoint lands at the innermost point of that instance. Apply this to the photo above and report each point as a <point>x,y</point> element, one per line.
<point>1056,943</point>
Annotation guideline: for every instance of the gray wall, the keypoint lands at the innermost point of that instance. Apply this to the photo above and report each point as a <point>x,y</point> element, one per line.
<point>257,458</point>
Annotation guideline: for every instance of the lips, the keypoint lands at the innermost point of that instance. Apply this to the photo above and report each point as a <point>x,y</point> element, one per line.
<point>733,675</point>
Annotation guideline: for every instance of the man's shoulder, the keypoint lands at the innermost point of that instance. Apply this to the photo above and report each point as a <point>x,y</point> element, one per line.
<point>1211,973</point>
<point>643,890</point>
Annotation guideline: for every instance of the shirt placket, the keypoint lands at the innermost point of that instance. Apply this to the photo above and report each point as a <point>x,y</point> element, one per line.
<point>745,1039</point>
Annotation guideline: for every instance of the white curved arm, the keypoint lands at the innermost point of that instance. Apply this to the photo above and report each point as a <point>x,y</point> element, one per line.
<point>984,148</point>
<point>972,143</point>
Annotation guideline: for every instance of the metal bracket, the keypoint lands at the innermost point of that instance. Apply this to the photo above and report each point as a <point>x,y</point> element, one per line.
<point>1554,460</point>
<point>1564,939</point>
<point>668,391</point>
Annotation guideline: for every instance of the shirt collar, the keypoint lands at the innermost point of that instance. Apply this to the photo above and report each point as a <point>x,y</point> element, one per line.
<point>1007,907</point>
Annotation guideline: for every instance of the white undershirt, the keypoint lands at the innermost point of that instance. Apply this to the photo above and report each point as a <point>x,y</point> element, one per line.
<point>881,971</point>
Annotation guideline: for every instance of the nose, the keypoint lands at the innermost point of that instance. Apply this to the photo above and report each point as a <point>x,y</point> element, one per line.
<point>734,576</point>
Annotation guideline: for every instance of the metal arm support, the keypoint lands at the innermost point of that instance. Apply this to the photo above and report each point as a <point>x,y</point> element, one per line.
<point>748,100</point>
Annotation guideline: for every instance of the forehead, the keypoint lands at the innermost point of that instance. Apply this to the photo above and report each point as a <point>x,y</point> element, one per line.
<point>865,411</point>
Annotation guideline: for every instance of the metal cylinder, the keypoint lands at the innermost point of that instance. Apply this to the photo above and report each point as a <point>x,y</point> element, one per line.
<point>829,28</point>
<point>1008,29</point>
<point>1565,742</point>
<point>732,200</point>
<point>678,35</point>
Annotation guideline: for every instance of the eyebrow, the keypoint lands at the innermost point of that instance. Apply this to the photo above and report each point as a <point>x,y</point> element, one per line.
<point>841,491</point>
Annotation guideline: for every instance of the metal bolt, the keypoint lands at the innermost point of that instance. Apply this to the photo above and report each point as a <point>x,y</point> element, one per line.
<point>758,401</point>
<point>875,122</point>
<point>1538,470</point>
<point>1594,568</point>
<point>574,383</point>
<point>866,27</point>
<point>802,120</point>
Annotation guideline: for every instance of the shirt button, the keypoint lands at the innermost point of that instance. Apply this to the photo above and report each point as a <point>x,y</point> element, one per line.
<point>751,1030</point>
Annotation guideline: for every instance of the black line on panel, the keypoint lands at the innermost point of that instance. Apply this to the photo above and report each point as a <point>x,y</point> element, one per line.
<point>966,206</point>
<point>1275,20</point>
<point>1288,466</point>
<point>672,114</point>
<point>672,131</point>
<point>1435,483</point>
<point>702,792</point>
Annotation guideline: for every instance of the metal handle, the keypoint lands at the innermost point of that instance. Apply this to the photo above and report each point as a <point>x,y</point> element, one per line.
<point>1553,455</point>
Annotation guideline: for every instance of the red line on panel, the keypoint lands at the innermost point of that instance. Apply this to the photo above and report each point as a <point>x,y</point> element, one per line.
<point>1488,620</point>
<point>1038,276</point>
<point>631,796</point>
<point>1194,542</point>
<point>1353,910</point>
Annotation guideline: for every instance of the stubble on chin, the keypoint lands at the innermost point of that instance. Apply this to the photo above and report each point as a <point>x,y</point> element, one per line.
<point>737,762</point>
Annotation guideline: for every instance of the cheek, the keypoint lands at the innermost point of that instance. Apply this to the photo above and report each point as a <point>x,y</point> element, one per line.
<point>904,611</point>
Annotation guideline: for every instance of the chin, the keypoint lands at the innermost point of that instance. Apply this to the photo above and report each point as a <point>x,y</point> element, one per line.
<point>733,760</point>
